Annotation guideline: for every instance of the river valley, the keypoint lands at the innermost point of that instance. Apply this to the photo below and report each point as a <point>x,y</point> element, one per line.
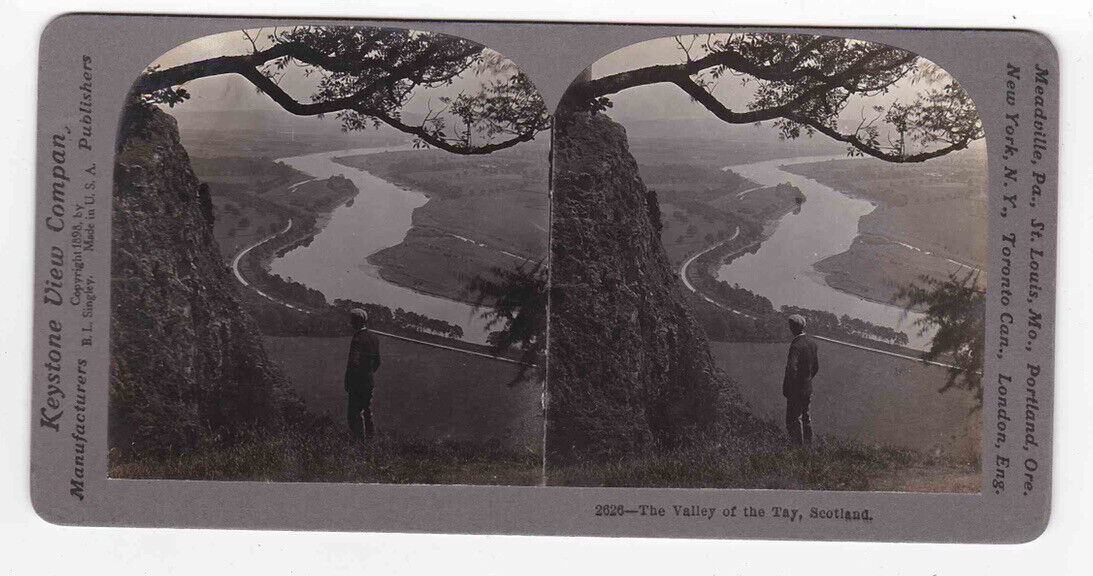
<point>826,225</point>
<point>336,260</point>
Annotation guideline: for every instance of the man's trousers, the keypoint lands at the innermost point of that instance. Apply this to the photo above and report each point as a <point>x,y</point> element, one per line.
<point>358,408</point>
<point>798,421</point>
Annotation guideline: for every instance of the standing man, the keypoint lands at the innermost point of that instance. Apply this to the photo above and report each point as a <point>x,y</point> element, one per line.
<point>364,360</point>
<point>801,368</point>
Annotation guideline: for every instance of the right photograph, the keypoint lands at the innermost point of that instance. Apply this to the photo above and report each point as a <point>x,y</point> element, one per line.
<point>768,264</point>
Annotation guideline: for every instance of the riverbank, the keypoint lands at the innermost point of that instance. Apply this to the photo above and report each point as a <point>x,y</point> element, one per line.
<point>753,213</point>
<point>251,224</point>
<point>876,268</point>
<point>286,308</point>
<point>441,264</point>
<point>752,317</point>
<point>481,213</point>
<point>336,261</point>
<point>929,220</point>
<point>731,309</point>
<point>783,268</point>
<point>253,197</point>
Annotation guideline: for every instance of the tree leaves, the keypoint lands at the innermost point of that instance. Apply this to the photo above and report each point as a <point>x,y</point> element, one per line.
<point>367,76</point>
<point>956,307</point>
<point>515,301</point>
<point>806,84</point>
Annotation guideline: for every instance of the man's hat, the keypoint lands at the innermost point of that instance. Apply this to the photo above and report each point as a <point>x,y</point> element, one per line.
<point>797,320</point>
<point>359,315</point>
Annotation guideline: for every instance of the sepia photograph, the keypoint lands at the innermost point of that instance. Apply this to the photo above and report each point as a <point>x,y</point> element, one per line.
<point>697,278</point>
<point>768,266</point>
<point>545,279</point>
<point>329,262</point>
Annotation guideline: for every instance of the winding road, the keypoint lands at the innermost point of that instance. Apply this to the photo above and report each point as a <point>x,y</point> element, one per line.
<point>243,281</point>
<point>687,281</point>
<point>288,226</point>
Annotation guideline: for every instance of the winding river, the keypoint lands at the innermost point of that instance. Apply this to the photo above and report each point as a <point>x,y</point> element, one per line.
<point>336,261</point>
<point>826,225</point>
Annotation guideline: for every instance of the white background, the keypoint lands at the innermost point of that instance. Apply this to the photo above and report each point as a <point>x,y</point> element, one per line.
<point>32,545</point>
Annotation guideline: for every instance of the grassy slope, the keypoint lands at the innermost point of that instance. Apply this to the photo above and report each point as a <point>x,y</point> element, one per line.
<point>321,452</point>
<point>874,399</point>
<point>875,445</point>
<point>900,435</point>
<point>830,465</point>
<point>421,392</point>
<point>442,417</point>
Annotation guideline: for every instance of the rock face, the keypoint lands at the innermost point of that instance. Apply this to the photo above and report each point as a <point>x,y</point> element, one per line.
<point>187,362</point>
<point>630,368</point>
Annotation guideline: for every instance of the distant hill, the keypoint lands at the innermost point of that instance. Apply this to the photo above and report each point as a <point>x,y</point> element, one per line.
<point>714,129</point>
<point>253,120</point>
<point>271,133</point>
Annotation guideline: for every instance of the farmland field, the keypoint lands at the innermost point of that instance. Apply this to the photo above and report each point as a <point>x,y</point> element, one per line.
<point>482,213</point>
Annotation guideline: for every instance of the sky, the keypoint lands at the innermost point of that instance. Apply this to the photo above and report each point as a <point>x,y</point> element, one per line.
<point>228,92</point>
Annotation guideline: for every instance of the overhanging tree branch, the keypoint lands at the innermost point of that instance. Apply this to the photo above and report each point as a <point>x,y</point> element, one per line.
<point>805,82</point>
<point>374,72</point>
<point>875,152</point>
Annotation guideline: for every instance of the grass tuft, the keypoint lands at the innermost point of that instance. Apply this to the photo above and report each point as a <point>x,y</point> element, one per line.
<point>324,453</point>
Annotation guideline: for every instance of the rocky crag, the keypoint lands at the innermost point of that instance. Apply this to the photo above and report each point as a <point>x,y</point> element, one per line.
<point>187,362</point>
<point>630,368</point>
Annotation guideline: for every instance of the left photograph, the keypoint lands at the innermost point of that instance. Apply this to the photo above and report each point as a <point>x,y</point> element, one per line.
<point>329,262</point>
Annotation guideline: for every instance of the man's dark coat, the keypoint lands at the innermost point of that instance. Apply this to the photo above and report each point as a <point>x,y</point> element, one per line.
<point>801,367</point>
<point>364,359</point>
